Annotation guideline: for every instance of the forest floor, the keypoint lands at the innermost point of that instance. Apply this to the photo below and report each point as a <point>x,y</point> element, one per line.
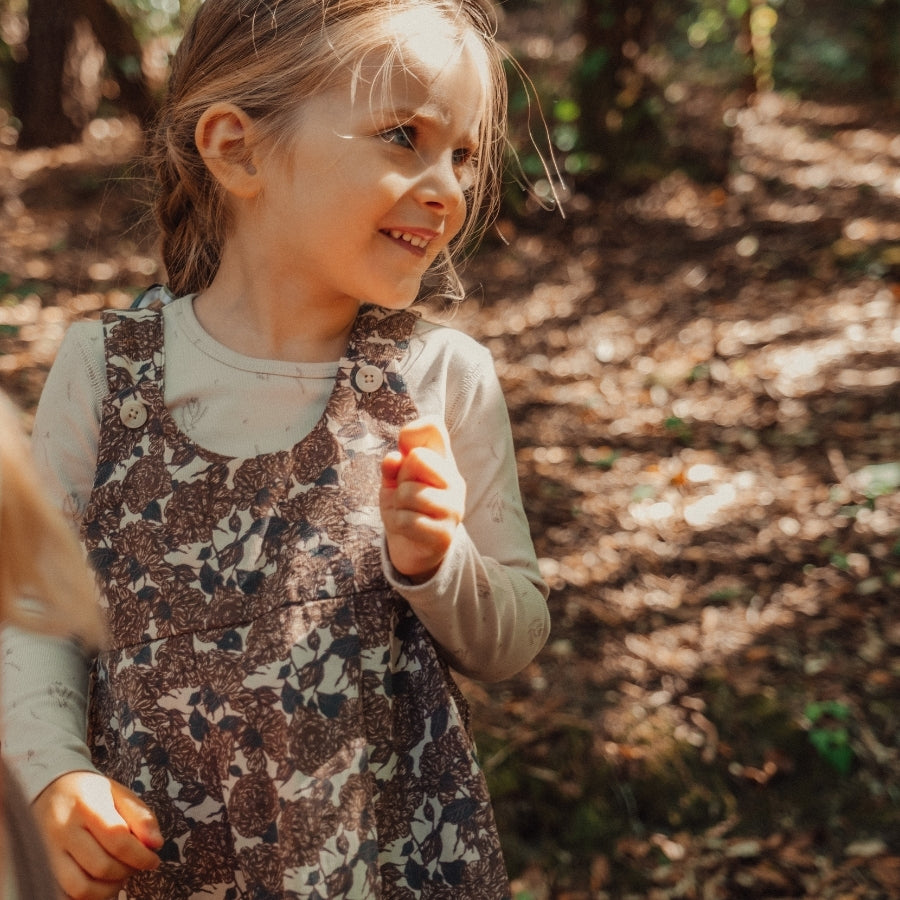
<point>704,385</point>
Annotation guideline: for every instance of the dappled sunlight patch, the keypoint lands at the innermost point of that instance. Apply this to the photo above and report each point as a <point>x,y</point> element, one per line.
<point>68,215</point>
<point>774,147</point>
<point>870,230</point>
<point>676,198</point>
<point>105,140</point>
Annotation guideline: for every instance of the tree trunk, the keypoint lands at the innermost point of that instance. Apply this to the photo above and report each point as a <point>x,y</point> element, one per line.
<point>42,82</point>
<point>617,121</point>
<point>883,28</point>
<point>123,57</point>
<point>38,86</point>
<point>597,77</point>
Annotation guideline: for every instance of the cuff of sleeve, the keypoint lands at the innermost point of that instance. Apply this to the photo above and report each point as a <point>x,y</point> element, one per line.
<point>441,584</point>
<point>34,779</point>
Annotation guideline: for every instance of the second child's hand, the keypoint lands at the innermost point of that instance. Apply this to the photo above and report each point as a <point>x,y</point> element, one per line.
<point>422,498</point>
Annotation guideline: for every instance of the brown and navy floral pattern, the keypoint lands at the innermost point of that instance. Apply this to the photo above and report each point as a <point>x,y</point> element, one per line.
<point>279,707</point>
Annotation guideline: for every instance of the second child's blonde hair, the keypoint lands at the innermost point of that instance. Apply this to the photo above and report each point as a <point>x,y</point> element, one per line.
<point>45,584</point>
<point>266,56</point>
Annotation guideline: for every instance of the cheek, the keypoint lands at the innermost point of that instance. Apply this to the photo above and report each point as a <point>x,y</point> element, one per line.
<point>456,222</point>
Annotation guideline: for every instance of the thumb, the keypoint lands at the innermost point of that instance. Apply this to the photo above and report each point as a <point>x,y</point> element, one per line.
<point>137,816</point>
<point>429,432</point>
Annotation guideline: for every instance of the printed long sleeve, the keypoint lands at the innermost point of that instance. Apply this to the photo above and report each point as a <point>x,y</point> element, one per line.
<point>489,619</point>
<point>486,606</point>
<point>44,698</point>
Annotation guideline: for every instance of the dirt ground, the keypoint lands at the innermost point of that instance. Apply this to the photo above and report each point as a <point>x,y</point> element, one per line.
<point>704,384</point>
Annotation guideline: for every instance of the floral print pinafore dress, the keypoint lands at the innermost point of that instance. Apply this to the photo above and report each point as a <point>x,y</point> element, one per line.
<point>274,702</point>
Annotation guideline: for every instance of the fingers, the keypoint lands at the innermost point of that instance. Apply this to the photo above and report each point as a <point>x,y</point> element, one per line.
<point>422,499</point>
<point>429,433</point>
<point>98,833</point>
<point>425,538</point>
<point>140,821</point>
<point>423,455</point>
<point>419,500</point>
<point>106,821</point>
<point>422,479</point>
<point>85,871</point>
<point>420,467</point>
<point>390,469</point>
<point>426,467</point>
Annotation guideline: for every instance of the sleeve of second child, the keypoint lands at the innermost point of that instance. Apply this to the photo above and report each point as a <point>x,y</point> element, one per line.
<point>486,606</point>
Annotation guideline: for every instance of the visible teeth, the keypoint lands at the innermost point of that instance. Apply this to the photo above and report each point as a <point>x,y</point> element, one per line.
<point>413,239</point>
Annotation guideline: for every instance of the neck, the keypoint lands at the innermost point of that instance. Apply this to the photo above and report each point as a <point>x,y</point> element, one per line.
<point>265,320</point>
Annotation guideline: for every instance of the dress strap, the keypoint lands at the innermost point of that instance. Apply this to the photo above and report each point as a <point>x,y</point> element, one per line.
<point>380,339</point>
<point>133,348</point>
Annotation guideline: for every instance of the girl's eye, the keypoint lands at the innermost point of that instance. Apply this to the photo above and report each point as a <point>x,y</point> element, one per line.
<point>465,161</point>
<point>462,155</point>
<point>402,136</point>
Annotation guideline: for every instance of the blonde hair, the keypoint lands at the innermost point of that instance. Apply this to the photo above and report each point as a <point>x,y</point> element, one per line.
<point>265,57</point>
<point>45,584</point>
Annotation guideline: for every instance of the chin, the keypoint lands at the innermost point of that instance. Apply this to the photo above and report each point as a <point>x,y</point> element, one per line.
<point>399,300</point>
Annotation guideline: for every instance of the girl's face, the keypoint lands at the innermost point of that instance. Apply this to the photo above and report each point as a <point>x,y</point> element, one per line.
<point>374,187</point>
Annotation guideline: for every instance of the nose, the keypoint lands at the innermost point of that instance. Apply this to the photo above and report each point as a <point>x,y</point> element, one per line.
<point>439,186</point>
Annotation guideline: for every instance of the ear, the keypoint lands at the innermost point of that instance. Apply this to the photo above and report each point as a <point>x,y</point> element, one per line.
<point>225,138</point>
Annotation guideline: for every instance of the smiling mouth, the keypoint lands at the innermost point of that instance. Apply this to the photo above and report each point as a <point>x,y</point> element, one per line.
<point>414,240</point>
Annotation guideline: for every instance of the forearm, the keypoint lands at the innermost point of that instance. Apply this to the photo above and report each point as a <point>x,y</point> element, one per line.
<point>489,619</point>
<point>43,703</point>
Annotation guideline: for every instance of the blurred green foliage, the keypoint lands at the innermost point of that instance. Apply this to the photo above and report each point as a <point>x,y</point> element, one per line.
<point>157,17</point>
<point>829,735</point>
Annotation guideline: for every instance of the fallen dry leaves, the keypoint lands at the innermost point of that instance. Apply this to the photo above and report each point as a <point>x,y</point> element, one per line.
<point>703,383</point>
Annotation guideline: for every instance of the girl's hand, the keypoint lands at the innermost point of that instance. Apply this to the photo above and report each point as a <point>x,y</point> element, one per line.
<point>423,498</point>
<point>97,834</point>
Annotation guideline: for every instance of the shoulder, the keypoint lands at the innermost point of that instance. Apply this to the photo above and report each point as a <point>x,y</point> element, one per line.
<point>82,350</point>
<point>439,341</point>
<point>449,373</point>
<point>84,333</point>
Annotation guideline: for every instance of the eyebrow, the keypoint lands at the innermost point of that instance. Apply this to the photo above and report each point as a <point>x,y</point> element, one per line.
<point>406,113</point>
<point>440,118</point>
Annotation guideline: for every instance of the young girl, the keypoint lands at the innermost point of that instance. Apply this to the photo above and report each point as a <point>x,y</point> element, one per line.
<point>44,587</point>
<point>299,498</point>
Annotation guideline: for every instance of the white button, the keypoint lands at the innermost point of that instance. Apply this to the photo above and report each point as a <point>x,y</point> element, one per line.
<point>369,379</point>
<point>133,413</point>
